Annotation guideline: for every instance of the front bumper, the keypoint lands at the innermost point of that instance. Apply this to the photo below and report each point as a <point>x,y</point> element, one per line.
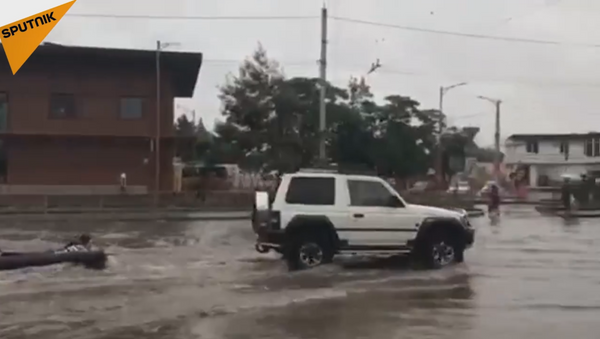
<point>469,237</point>
<point>469,230</point>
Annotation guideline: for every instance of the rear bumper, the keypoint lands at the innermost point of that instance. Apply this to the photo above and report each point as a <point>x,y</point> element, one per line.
<point>270,239</point>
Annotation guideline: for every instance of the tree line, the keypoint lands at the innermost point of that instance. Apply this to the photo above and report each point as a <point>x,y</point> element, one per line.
<point>271,123</point>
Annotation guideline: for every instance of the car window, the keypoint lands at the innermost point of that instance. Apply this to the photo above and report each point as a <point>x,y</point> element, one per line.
<point>311,191</point>
<point>368,193</point>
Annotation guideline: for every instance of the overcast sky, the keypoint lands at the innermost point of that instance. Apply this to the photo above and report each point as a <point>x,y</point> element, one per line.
<point>544,88</point>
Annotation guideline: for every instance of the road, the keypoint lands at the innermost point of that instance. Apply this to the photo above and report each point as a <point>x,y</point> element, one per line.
<point>527,277</point>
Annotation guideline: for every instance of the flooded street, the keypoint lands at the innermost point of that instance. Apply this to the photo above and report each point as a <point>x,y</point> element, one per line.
<point>527,277</point>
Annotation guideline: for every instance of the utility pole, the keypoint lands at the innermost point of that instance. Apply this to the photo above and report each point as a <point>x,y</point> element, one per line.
<point>442,123</point>
<point>194,136</point>
<point>442,128</point>
<point>157,137</point>
<point>159,46</point>
<point>497,104</point>
<point>497,141</point>
<point>323,88</point>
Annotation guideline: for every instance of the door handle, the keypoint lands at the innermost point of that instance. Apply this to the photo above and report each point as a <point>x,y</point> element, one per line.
<point>358,215</point>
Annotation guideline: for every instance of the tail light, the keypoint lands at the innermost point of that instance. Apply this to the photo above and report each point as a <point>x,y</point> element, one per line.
<point>275,220</point>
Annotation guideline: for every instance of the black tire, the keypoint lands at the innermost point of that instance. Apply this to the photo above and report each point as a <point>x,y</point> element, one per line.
<point>459,255</point>
<point>309,252</point>
<point>440,250</point>
<point>261,249</point>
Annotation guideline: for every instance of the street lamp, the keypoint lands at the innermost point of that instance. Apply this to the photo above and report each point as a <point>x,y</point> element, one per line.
<point>442,127</point>
<point>496,103</point>
<point>444,90</point>
<point>159,47</point>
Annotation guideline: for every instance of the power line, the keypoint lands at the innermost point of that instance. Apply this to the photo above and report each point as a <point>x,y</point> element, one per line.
<point>464,35</point>
<point>535,11</point>
<point>466,77</point>
<point>482,79</point>
<point>468,116</point>
<point>344,19</point>
<point>177,17</point>
<point>281,63</point>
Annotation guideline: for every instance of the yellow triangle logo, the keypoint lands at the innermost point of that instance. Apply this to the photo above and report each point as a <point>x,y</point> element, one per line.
<point>21,38</point>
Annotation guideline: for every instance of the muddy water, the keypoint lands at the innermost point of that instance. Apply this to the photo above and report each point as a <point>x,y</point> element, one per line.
<point>527,277</point>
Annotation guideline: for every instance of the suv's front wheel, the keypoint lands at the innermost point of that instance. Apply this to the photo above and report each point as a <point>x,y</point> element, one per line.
<point>441,250</point>
<point>442,253</point>
<point>309,252</point>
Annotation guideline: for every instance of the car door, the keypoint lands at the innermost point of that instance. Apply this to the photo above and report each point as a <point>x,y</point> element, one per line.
<point>373,220</point>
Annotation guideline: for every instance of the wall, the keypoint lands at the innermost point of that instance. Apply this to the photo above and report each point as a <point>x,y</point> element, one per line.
<point>86,161</point>
<point>555,172</point>
<point>549,153</point>
<point>97,90</point>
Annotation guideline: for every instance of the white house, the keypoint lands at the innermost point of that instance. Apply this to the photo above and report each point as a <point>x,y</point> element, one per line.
<point>548,156</point>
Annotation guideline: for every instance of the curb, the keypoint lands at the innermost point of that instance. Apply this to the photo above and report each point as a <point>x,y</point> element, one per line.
<point>131,217</point>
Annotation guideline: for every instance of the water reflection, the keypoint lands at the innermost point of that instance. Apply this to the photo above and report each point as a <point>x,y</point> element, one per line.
<point>410,304</point>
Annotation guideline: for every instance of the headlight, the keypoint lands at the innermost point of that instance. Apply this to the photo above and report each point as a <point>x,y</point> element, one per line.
<point>466,222</point>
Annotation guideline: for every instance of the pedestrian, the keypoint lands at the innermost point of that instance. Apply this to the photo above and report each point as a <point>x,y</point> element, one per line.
<point>82,244</point>
<point>566,195</point>
<point>494,202</point>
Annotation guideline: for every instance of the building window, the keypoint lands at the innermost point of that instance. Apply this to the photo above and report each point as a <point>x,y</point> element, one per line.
<point>62,106</point>
<point>564,147</point>
<point>131,108</point>
<point>592,147</point>
<point>532,147</point>
<point>3,112</point>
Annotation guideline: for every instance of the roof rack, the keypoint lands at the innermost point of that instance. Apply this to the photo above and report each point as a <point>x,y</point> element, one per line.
<point>317,170</point>
<point>344,169</point>
<point>351,171</point>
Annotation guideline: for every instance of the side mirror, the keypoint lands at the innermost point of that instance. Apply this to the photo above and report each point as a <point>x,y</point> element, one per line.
<point>394,201</point>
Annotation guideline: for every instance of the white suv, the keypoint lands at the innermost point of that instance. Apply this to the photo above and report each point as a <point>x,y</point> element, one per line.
<point>316,215</point>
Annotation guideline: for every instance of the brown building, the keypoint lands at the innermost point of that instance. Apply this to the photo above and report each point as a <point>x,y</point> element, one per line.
<point>74,118</point>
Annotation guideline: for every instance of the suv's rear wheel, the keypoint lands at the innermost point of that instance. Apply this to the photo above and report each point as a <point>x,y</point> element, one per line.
<point>309,252</point>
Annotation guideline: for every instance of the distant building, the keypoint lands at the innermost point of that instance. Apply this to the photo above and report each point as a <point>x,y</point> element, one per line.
<point>545,157</point>
<point>74,118</point>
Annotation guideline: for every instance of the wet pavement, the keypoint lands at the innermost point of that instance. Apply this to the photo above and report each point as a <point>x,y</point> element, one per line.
<point>527,277</point>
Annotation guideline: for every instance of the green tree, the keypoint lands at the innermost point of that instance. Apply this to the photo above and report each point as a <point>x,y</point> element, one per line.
<point>249,111</point>
<point>272,123</point>
<point>185,132</point>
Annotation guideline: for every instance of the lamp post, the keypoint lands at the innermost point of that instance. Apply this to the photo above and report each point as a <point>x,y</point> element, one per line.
<point>496,103</point>
<point>159,47</point>
<point>442,123</point>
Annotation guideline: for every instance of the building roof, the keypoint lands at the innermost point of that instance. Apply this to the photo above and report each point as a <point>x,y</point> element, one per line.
<point>566,136</point>
<point>184,66</point>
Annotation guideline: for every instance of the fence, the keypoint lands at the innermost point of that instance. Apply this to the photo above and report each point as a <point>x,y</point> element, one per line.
<point>215,200</point>
<point>210,200</point>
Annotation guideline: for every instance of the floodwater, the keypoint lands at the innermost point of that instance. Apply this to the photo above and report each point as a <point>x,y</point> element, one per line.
<point>527,277</point>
